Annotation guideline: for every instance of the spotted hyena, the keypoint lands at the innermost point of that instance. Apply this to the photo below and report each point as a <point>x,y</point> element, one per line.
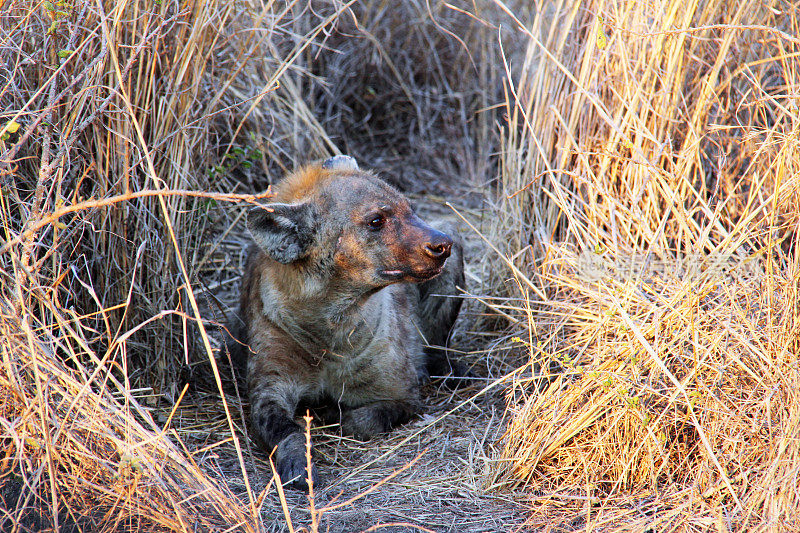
<point>342,301</point>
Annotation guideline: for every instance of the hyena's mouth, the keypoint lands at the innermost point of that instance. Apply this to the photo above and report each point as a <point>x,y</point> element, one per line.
<point>421,275</point>
<point>391,275</point>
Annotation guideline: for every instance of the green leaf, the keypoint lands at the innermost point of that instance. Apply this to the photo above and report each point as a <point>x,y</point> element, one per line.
<point>64,53</point>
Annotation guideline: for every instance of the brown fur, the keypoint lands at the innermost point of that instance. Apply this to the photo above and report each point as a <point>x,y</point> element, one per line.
<point>328,312</point>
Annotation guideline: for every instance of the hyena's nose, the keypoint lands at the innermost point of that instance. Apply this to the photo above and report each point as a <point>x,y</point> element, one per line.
<point>439,246</point>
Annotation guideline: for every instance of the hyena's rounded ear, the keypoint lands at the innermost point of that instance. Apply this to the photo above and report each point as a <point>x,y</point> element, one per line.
<point>285,231</point>
<point>340,162</point>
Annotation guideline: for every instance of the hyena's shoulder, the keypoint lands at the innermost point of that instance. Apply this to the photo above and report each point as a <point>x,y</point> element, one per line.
<point>261,335</point>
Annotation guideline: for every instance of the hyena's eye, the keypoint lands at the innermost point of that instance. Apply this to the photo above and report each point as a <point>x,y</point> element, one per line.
<point>376,221</point>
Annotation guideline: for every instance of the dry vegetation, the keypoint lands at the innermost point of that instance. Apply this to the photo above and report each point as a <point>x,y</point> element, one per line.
<point>633,166</point>
<point>651,168</point>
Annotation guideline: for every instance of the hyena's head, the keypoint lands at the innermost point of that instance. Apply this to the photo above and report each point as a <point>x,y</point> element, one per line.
<point>344,224</point>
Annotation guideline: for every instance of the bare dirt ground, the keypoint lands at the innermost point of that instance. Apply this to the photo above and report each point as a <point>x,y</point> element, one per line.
<point>449,448</point>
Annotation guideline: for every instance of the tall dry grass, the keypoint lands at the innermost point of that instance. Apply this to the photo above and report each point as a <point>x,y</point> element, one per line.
<point>649,199</point>
<point>115,118</point>
<point>74,455</point>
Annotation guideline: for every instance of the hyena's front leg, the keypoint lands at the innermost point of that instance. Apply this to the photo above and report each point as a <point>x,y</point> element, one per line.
<point>377,417</point>
<point>272,403</point>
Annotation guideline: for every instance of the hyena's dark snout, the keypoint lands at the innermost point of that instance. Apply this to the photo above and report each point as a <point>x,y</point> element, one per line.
<point>429,244</point>
<point>437,245</point>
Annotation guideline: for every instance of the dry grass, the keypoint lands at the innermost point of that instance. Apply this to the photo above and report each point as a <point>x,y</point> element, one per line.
<point>651,205</point>
<point>641,161</point>
<point>79,450</point>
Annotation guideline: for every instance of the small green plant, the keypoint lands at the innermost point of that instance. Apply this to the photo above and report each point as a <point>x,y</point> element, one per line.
<point>9,129</point>
<point>237,157</point>
<point>57,11</point>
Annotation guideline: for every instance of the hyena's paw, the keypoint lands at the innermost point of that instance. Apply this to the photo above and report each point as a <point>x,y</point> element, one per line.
<point>291,463</point>
<point>373,419</point>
